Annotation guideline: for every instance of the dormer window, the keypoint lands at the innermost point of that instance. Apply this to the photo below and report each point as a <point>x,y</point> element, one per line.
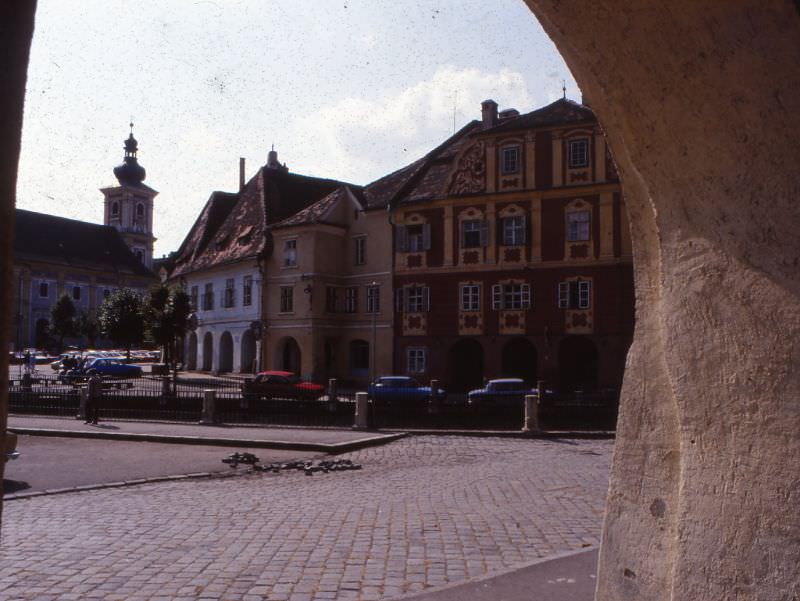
<point>579,153</point>
<point>510,160</point>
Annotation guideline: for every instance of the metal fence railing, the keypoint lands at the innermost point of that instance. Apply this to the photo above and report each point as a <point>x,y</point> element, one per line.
<point>157,398</point>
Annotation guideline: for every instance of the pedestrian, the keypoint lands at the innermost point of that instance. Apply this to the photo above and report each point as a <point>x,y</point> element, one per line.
<point>94,395</point>
<point>32,361</point>
<point>26,361</point>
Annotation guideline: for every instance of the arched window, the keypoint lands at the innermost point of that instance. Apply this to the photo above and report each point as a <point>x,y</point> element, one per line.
<point>140,211</point>
<point>115,209</point>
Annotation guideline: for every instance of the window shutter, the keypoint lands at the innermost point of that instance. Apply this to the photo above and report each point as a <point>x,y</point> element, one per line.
<point>426,298</point>
<point>526,296</point>
<point>563,295</point>
<point>497,297</point>
<point>524,230</point>
<point>484,232</point>
<point>426,236</point>
<point>401,300</point>
<point>584,294</point>
<point>402,239</point>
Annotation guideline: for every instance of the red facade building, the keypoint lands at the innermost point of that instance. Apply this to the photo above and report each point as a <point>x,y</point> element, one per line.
<point>512,254</point>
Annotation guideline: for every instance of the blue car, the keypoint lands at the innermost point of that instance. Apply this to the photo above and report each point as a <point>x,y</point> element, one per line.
<point>112,368</point>
<point>388,390</point>
<point>504,392</point>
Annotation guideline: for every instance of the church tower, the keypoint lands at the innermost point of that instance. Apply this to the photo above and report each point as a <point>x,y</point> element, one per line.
<point>129,206</point>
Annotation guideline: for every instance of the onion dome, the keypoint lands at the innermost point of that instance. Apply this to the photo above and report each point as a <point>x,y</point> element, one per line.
<point>130,173</point>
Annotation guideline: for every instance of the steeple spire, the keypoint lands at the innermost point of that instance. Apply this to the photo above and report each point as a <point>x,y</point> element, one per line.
<point>130,172</point>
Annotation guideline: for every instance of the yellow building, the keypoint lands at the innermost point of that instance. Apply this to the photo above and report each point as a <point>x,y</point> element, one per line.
<point>328,293</point>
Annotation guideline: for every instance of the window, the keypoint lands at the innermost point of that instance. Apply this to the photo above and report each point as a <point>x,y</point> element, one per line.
<point>140,255</point>
<point>511,297</point>
<point>247,291</point>
<point>208,298</point>
<point>76,293</point>
<point>414,238</point>
<point>576,294</point>
<point>416,360</point>
<point>351,300</point>
<point>470,297</point>
<point>509,160</point>
<point>115,209</point>
<point>578,226</point>
<point>513,231</point>
<point>578,153</point>
<point>359,355</point>
<point>287,299</point>
<point>193,296</point>
<point>360,250</point>
<point>229,290</point>
<point>44,289</point>
<point>290,253</point>
<point>140,211</point>
<point>415,299</point>
<point>473,233</point>
<point>373,299</point>
<point>331,299</point>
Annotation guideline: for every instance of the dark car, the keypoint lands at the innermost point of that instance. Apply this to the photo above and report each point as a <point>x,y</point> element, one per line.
<point>111,368</point>
<point>402,389</point>
<point>282,385</point>
<point>504,392</point>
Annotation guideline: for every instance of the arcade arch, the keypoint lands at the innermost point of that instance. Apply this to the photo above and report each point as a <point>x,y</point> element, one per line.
<point>225,353</point>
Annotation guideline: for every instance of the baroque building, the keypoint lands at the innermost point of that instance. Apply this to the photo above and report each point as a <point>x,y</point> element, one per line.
<point>512,254</point>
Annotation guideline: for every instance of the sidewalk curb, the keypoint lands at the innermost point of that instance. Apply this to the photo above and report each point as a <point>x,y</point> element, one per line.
<point>328,448</point>
<point>540,434</point>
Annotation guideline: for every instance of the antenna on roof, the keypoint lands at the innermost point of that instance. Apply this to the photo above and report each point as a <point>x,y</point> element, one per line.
<point>564,88</point>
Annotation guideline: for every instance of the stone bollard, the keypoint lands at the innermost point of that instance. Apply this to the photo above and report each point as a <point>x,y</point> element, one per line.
<point>362,411</point>
<point>208,416</point>
<point>84,397</point>
<point>531,413</point>
<point>434,406</point>
<point>333,398</point>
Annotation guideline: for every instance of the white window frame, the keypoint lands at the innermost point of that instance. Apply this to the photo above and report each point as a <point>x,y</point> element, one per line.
<point>351,299</point>
<point>579,225</point>
<point>416,359</point>
<point>471,227</point>
<point>290,252</point>
<point>578,153</point>
<point>360,250</point>
<point>510,160</point>
<point>511,297</point>
<point>416,299</point>
<point>563,295</point>
<point>514,230</point>
<point>575,294</point>
<point>287,299</point>
<point>470,297</point>
<point>373,299</point>
<point>418,241</point>
<point>584,294</point>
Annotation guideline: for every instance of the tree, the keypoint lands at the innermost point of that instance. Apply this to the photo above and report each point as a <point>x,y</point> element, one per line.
<point>62,319</point>
<point>88,326</point>
<point>167,315</point>
<point>121,318</point>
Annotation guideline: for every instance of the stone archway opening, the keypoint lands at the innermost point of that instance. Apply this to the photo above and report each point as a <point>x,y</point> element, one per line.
<point>248,354</point>
<point>520,360</point>
<point>208,352</point>
<point>577,364</point>
<point>191,352</point>
<point>288,357</point>
<point>465,364</point>
<point>225,353</point>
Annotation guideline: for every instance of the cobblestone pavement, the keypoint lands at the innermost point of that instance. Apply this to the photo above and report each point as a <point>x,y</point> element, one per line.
<point>425,511</point>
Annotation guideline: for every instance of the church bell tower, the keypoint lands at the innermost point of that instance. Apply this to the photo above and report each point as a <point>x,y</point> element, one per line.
<point>129,207</point>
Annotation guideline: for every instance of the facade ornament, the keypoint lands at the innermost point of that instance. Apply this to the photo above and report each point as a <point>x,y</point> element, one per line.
<point>470,175</point>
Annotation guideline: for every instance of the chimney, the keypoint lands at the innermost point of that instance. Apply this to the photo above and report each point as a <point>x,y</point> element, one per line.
<point>241,174</point>
<point>489,113</point>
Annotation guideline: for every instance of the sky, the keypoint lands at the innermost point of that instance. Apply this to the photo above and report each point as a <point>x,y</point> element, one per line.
<point>344,89</point>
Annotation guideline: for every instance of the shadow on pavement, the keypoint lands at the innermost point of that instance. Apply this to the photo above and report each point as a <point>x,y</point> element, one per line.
<point>14,486</point>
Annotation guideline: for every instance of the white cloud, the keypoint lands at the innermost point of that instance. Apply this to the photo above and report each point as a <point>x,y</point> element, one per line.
<point>360,140</point>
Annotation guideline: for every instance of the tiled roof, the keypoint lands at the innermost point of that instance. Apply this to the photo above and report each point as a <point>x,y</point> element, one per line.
<point>317,212</point>
<point>42,237</point>
<point>235,227</point>
<point>562,111</point>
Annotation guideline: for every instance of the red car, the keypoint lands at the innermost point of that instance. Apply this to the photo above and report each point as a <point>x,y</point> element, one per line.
<point>282,385</point>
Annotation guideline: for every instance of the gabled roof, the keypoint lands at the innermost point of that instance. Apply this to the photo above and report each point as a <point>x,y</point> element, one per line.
<point>234,227</point>
<point>560,112</point>
<point>321,211</point>
<point>42,237</point>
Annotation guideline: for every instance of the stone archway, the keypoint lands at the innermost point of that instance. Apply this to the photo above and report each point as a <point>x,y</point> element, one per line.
<point>700,104</point>
<point>520,360</point>
<point>465,363</point>
<point>225,353</point>
<point>288,356</point>
<point>248,365</point>
<point>208,352</point>
<point>191,352</point>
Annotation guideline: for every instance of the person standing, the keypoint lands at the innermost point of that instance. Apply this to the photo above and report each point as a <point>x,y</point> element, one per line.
<point>93,397</point>
<point>26,361</point>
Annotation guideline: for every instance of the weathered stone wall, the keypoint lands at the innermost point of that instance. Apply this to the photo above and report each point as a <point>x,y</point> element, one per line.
<point>700,103</point>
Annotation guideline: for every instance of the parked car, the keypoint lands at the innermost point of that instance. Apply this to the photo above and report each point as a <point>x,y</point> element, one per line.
<point>113,368</point>
<point>282,385</point>
<point>389,390</point>
<point>503,392</point>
